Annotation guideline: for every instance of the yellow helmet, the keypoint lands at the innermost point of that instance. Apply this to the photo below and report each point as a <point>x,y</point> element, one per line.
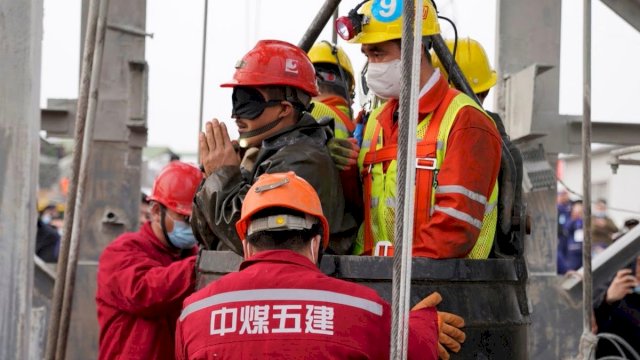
<point>44,203</point>
<point>381,20</point>
<point>327,53</point>
<point>473,62</point>
<point>60,207</point>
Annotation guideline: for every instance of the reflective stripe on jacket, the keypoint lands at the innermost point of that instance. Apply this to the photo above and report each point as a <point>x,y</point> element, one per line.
<point>280,306</point>
<point>456,195</point>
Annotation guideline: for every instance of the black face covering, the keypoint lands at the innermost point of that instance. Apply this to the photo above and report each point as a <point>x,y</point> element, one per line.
<point>248,103</point>
<point>259,131</point>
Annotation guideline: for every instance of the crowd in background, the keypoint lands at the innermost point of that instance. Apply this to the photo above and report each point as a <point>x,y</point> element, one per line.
<point>571,230</point>
<point>616,304</point>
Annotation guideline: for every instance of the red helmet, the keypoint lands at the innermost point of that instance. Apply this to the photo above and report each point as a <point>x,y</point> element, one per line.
<point>284,190</point>
<point>275,62</point>
<point>176,186</point>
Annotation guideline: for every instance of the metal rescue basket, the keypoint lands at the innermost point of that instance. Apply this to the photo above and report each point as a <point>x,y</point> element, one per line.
<point>489,294</point>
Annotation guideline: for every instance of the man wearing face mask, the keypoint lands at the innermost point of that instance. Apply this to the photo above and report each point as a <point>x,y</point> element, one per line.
<point>458,152</point>
<point>144,276</point>
<point>279,305</point>
<point>272,89</point>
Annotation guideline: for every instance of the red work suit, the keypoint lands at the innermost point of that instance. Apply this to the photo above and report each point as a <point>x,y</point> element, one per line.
<point>472,164</point>
<point>141,286</point>
<point>280,306</point>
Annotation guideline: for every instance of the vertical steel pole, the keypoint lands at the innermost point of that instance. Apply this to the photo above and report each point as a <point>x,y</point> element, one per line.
<point>92,106</point>
<point>588,340</point>
<point>334,33</point>
<point>202,70</point>
<point>318,23</point>
<point>79,133</point>
<point>20,63</point>
<point>409,94</point>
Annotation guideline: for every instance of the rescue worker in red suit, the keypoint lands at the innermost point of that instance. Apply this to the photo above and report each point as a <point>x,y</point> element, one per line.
<point>458,151</point>
<point>144,276</point>
<point>280,305</point>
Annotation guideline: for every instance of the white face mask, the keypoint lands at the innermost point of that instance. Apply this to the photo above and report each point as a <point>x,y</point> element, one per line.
<point>384,79</point>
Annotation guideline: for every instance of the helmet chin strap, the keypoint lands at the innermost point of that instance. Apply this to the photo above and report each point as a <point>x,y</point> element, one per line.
<point>163,214</point>
<point>259,131</point>
<point>320,254</point>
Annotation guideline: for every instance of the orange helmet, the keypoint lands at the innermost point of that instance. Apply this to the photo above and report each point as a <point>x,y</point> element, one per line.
<point>176,186</point>
<point>275,62</point>
<point>284,190</point>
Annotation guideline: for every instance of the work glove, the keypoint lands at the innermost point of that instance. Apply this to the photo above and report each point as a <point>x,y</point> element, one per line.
<point>449,334</point>
<point>344,152</point>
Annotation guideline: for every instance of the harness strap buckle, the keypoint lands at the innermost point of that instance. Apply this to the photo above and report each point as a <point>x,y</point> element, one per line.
<point>383,248</point>
<point>426,163</point>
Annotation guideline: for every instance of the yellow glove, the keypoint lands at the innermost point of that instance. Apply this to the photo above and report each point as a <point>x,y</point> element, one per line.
<point>449,334</point>
<point>344,152</point>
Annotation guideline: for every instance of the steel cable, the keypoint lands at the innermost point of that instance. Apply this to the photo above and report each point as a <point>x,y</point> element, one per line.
<point>79,134</point>
<point>587,341</point>
<point>74,245</point>
<point>618,341</point>
<point>203,68</point>
<point>407,123</point>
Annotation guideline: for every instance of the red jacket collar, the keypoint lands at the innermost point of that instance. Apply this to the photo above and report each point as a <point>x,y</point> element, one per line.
<point>279,256</point>
<point>335,101</point>
<point>430,101</point>
<point>427,103</point>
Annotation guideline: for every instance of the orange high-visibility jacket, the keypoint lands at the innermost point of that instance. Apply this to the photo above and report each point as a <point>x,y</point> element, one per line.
<point>463,183</point>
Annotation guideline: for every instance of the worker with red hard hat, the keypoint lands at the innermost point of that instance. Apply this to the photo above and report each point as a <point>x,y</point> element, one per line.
<point>273,85</point>
<point>144,276</point>
<point>279,305</point>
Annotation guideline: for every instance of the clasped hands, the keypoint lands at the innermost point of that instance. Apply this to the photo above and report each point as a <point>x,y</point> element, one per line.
<point>216,148</point>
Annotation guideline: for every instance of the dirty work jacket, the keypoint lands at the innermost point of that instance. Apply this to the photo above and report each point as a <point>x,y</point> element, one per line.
<point>280,306</point>
<point>141,286</point>
<point>299,148</point>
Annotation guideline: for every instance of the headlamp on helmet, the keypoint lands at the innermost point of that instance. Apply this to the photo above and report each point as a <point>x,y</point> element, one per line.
<point>351,25</point>
<point>378,21</point>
